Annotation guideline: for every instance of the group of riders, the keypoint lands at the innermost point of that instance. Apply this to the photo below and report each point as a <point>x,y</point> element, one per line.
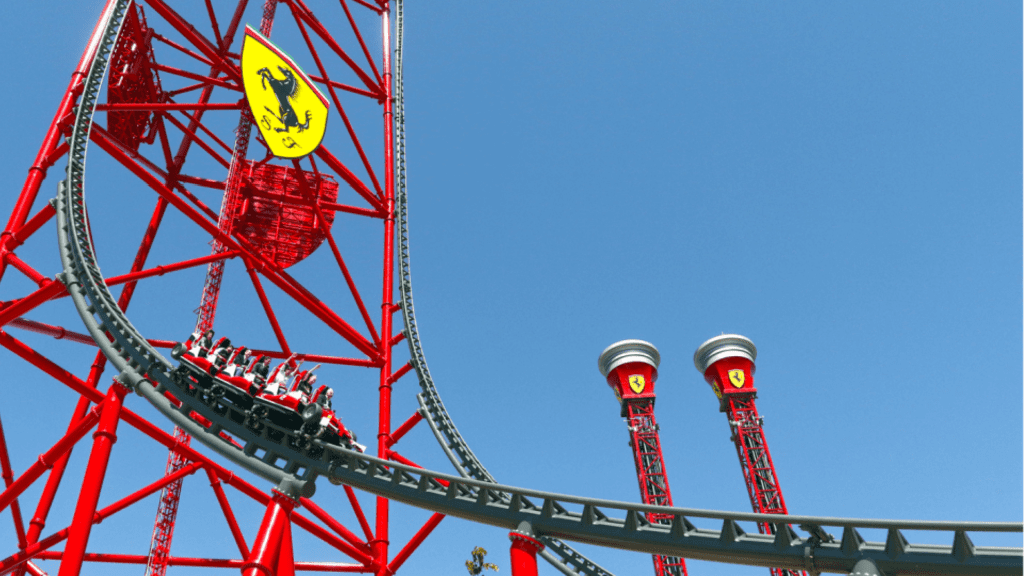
<point>283,381</point>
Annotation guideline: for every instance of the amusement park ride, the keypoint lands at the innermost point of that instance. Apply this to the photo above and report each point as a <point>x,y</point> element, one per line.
<point>175,120</point>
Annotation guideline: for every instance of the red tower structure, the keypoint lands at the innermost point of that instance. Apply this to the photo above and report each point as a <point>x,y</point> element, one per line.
<point>161,147</point>
<point>727,363</point>
<point>631,368</point>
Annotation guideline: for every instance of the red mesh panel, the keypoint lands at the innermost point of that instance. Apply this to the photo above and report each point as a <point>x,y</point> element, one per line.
<point>133,80</point>
<point>274,214</point>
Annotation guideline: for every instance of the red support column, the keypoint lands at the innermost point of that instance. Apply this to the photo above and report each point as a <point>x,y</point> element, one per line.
<point>286,558</point>
<point>381,537</point>
<point>727,363</point>
<point>631,367</point>
<point>103,440</point>
<point>523,553</point>
<point>262,561</point>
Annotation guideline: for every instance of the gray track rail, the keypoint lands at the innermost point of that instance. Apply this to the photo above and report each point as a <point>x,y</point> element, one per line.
<point>293,462</point>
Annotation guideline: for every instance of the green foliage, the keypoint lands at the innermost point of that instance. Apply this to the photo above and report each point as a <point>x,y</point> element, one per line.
<point>477,564</point>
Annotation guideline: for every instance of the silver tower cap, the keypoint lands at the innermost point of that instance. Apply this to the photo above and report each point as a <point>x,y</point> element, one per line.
<point>724,346</point>
<point>626,351</point>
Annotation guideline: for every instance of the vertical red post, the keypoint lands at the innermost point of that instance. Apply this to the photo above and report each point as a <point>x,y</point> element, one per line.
<point>380,542</point>
<point>631,368</point>
<point>103,440</point>
<point>266,550</point>
<point>524,553</point>
<point>727,363</point>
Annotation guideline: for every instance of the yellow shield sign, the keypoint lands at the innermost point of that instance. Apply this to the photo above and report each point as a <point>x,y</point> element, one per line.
<point>637,383</point>
<point>737,378</point>
<point>288,108</point>
<point>718,391</point>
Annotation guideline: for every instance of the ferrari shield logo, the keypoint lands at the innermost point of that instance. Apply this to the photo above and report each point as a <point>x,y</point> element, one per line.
<point>637,383</point>
<point>718,391</point>
<point>288,108</point>
<point>737,378</point>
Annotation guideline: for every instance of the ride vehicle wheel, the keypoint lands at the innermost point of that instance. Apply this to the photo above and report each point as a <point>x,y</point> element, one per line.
<point>312,413</point>
<point>177,351</point>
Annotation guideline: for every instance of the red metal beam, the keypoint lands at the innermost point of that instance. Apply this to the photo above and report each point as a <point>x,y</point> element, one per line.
<point>11,240</point>
<point>351,210</point>
<point>57,332</point>
<point>30,272</point>
<point>405,428</point>
<point>8,476</point>
<point>263,558</point>
<point>165,107</point>
<point>387,297</point>
<point>310,197</point>
<point>341,109</point>
<point>229,515</point>
<point>211,52</point>
<point>324,154</point>
<point>400,372</point>
<point>47,459</point>
<point>95,472</point>
<point>267,308</point>
<point>38,521</point>
<point>206,147</point>
<point>39,548</point>
<point>304,13</point>
<point>205,562</point>
<point>415,542</point>
<point>359,512</point>
<point>19,307</point>
<point>362,44</point>
<point>333,524</point>
<point>182,49</point>
<point>344,87</point>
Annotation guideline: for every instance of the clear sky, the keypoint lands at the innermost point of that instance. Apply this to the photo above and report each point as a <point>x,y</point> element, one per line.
<point>839,182</point>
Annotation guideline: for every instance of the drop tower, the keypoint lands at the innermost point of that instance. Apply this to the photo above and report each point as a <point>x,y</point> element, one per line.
<point>631,367</point>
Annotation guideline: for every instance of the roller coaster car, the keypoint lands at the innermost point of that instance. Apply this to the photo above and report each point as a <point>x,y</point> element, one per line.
<point>208,376</point>
<point>288,411</point>
<point>313,417</point>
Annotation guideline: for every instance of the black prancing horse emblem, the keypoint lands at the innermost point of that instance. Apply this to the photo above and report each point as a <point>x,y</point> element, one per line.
<point>285,90</point>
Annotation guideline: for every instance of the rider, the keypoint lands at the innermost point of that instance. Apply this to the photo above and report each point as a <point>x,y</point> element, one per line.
<point>278,380</point>
<point>241,360</point>
<point>304,387</point>
<point>220,357</point>
<point>260,370</point>
<point>199,345</point>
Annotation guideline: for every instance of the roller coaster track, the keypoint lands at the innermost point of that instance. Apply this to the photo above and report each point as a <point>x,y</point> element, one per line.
<point>293,462</point>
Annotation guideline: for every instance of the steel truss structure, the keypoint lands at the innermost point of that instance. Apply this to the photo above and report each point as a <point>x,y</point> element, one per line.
<point>160,115</point>
<point>287,459</point>
<point>650,470</point>
<point>756,461</point>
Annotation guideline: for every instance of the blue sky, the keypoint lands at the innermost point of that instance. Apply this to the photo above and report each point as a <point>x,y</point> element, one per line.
<point>839,182</point>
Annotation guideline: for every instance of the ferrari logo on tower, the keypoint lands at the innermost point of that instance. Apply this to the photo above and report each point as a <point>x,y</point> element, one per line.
<point>637,383</point>
<point>737,378</point>
<point>288,108</point>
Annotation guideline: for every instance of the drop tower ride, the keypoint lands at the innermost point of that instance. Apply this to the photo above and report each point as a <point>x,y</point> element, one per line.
<point>727,363</point>
<point>631,367</point>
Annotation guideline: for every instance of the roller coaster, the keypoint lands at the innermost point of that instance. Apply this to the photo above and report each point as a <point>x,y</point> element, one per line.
<point>296,463</point>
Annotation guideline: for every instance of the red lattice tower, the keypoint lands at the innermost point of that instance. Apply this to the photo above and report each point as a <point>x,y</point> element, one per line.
<point>164,142</point>
<point>167,510</point>
<point>727,363</point>
<point>631,368</point>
